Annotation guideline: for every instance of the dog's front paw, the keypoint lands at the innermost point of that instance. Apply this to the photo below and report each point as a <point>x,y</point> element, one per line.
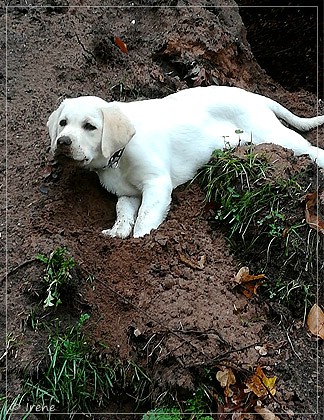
<point>120,231</point>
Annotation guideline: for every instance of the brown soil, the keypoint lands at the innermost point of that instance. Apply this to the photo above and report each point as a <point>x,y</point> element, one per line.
<point>185,318</point>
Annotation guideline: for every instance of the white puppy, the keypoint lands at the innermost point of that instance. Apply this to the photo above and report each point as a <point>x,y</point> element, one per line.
<point>143,150</point>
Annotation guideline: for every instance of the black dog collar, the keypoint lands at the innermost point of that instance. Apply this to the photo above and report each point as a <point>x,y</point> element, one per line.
<point>114,160</point>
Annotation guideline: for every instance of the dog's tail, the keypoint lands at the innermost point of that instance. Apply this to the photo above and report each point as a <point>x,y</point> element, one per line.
<point>302,124</point>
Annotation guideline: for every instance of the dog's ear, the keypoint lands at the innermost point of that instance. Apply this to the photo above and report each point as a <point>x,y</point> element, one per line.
<point>52,123</point>
<point>117,131</point>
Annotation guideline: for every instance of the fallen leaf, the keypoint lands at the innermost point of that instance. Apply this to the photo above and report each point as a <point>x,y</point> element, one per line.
<point>244,276</point>
<point>311,213</point>
<point>265,413</point>
<point>226,378</point>
<point>199,265</point>
<point>315,321</point>
<point>260,384</point>
<point>250,283</point>
<point>121,45</point>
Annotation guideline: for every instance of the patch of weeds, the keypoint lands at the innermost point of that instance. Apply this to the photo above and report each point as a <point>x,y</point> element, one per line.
<point>199,404</point>
<point>72,381</point>
<point>244,194</point>
<point>54,288</point>
<point>77,379</point>
<point>163,414</point>
<point>263,219</point>
<point>174,414</point>
<point>57,275</point>
<point>275,223</point>
<point>195,408</point>
<point>132,382</point>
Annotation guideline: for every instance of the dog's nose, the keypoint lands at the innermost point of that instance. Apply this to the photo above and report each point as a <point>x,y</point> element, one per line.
<point>64,141</point>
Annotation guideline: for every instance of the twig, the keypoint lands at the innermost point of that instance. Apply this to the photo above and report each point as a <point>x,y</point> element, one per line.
<point>221,357</point>
<point>84,48</point>
<point>204,333</point>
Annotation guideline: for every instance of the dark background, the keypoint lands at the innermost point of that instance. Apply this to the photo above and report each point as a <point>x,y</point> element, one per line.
<point>269,26</point>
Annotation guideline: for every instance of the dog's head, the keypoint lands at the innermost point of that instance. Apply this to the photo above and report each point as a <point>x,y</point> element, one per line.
<point>89,131</point>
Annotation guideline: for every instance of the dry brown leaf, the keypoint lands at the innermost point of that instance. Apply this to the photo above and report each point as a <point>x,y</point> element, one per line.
<point>250,283</point>
<point>226,378</point>
<point>311,214</point>
<point>315,321</point>
<point>244,276</point>
<point>265,413</point>
<point>260,384</point>
<point>250,289</point>
<point>121,45</point>
<point>199,265</point>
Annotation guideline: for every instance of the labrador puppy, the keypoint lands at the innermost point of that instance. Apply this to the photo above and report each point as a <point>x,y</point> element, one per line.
<point>142,150</point>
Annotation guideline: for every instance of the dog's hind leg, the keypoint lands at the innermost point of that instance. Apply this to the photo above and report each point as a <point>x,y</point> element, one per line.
<point>126,209</point>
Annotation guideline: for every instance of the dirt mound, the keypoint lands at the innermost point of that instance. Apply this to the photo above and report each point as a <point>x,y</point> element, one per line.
<point>166,301</point>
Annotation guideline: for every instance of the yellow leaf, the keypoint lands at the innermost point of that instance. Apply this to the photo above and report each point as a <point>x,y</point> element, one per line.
<point>315,321</point>
<point>260,384</point>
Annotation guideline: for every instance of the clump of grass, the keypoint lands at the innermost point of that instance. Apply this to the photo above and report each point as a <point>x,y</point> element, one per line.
<point>244,193</point>
<point>195,408</point>
<point>77,380</point>
<point>263,221</point>
<point>57,274</point>
<point>163,414</point>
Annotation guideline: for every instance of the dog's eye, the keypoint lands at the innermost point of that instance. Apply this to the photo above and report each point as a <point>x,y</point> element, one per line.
<point>90,127</point>
<point>62,123</point>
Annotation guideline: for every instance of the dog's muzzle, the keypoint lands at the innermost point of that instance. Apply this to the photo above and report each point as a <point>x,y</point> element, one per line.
<point>63,146</point>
